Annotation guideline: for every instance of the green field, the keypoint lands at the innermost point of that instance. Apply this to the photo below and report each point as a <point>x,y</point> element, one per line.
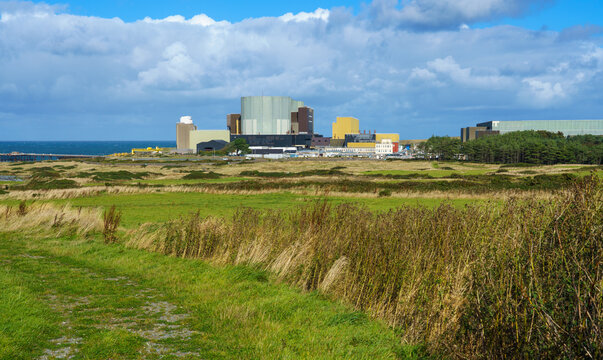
<point>142,208</point>
<point>295,279</point>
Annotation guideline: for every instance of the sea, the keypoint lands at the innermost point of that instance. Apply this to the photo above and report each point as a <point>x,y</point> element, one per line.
<point>78,147</point>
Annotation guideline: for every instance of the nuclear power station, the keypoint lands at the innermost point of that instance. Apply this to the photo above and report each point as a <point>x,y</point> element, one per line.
<point>280,122</point>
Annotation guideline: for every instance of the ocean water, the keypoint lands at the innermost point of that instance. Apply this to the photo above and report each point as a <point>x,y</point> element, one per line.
<point>78,147</point>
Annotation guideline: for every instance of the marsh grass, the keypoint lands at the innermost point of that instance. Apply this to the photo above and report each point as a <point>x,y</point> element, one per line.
<point>59,220</point>
<point>111,220</point>
<point>519,280</point>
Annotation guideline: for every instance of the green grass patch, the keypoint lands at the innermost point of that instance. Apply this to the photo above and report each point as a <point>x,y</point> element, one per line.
<point>138,209</point>
<point>196,175</point>
<point>27,324</point>
<point>227,313</point>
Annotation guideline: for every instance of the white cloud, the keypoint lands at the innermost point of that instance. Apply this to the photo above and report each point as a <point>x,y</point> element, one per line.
<point>176,71</point>
<point>433,14</point>
<point>201,19</point>
<point>393,78</point>
<point>448,68</point>
<point>542,93</point>
<point>318,14</point>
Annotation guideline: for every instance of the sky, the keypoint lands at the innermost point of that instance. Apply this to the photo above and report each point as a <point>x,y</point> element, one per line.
<point>127,70</point>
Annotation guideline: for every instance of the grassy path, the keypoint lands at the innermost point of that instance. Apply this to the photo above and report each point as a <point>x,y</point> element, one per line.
<point>70,298</point>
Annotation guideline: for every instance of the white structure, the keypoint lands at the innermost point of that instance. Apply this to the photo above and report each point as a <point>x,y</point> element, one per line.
<point>186,120</point>
<point>345,151</point>
<point>385,147</point>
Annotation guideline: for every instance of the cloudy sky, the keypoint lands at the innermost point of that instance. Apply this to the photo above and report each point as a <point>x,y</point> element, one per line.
<point>127,70</point>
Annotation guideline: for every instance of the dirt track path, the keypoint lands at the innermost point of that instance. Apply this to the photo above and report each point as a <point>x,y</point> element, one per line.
<point>103,314</point>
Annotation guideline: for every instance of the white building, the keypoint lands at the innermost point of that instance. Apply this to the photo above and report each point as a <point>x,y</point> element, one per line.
<point>385,147</point>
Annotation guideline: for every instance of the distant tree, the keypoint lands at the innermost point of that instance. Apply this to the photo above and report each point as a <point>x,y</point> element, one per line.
<point>533,147</point>
<point>240,146</point>
<point>442,147</point>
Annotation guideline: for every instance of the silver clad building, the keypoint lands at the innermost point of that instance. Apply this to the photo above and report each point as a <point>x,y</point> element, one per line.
<point>267,115</point>
<point>567,127</point>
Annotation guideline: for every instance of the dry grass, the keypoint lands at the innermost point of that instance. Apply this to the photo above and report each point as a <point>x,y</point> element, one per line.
<point>303,190</point>
<point>520,280</point>
<point>47,217</point>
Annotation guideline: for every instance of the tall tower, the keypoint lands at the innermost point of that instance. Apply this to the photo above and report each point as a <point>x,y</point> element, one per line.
<point>183,128</point>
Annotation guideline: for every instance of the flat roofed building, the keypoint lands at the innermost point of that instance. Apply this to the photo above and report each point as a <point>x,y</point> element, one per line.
<point>361,145</point>
<point>470,133</point>
<point>395,138</point>
<point>305,119</point>
<point>233,122</point>
<point>183,128</point>
<point>385,147</point>
<point>201,136</point>
<point>345,125</point>
<point>302,140</point>
<point>567,127</point>
<point>267,115</point>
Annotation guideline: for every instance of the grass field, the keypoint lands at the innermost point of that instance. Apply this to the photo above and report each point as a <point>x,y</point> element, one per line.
<point>80,299</point>
<point>142,208</point>
<point>67,294</point>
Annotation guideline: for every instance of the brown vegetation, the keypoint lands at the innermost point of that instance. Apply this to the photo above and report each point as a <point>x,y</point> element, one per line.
<point>519,280</point>
<point>111,220</point>
<point>47,217</point>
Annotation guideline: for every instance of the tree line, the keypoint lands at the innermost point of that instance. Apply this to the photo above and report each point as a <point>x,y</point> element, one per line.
<point>531,147</point>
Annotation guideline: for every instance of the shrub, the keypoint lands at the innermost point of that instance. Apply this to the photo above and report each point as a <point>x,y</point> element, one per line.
<point>319,172</point>
<point>113,175</point>
<point>201,175</point>
<point>111,220</point>
<point>22,209</point>
<point>42,184</point>
<point>45,172</point>
<point>385,192</point>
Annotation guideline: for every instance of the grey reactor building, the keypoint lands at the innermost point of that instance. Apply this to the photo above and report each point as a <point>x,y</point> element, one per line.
<point>275,121</point>
<point>567,127</point>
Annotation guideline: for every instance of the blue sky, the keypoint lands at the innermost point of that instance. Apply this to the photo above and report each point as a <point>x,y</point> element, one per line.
<point>127,70</point>
<point>131,10</point>
<point>555,15</point>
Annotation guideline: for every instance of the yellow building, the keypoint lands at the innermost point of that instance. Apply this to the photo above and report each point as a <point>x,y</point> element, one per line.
<point>395,138</point>
<point>345,125</point>
<point>361,145</point>
<point>199,136</point>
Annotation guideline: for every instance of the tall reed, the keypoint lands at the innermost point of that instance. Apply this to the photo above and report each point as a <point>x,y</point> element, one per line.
<point>519,280</point>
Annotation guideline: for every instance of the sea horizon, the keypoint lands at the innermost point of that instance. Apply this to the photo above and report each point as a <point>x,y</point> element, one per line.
<point>80,147</point>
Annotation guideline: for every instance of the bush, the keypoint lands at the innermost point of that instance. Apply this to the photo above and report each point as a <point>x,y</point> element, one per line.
<point>201,175</point>
<point>41,184</point>
<point>385,192</point>
<point>45,172</point>
<point>113,175</point>
<point>330,172</point>
<point>22,210</point>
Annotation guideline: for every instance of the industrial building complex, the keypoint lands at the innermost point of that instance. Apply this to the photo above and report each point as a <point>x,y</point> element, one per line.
<point>282,126</point>
<point>567,127</point>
